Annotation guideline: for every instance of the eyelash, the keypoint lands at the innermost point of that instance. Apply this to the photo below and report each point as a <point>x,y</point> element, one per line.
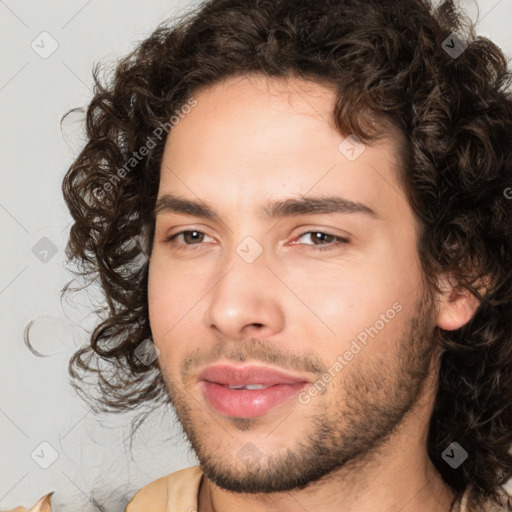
<point>325,247</point>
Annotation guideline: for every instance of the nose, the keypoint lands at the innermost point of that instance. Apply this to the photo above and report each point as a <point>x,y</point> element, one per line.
<point>246,301</point>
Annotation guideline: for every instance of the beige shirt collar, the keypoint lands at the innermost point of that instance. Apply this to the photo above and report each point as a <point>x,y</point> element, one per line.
<point>177,492</point>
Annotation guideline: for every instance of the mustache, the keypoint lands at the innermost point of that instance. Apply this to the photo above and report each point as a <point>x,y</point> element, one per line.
<point>255,350</point>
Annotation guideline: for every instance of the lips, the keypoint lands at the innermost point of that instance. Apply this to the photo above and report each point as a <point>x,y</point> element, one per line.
<point>224,387</point>
<point>229,375</point>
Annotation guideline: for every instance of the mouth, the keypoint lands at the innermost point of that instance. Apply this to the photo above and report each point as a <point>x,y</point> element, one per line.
<point>248,391</point>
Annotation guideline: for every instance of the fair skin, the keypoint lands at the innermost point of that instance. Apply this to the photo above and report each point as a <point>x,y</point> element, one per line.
<point>360,445</point>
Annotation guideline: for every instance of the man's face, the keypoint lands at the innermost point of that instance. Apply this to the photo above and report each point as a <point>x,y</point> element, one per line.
<point>247,290</point>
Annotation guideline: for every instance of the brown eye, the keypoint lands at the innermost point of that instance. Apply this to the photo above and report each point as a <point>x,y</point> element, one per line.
<point>332,241</point>
<point>190,237</point>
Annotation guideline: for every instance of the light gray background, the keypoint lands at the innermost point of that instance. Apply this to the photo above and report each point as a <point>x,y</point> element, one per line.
<point>93,465</point>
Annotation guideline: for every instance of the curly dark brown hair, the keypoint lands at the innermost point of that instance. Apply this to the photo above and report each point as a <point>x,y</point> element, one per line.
<point>390,63</point>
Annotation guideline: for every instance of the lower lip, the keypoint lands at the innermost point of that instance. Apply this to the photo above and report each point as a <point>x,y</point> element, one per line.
<point>248,403</point>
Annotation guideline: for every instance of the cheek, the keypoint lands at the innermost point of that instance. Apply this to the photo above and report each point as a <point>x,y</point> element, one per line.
<point>161,302</point>
<point>372,301</point>
<point>174,302</point>
<point>345,308</point>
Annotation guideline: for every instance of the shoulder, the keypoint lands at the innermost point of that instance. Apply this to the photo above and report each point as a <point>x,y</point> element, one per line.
<point>176,489</point>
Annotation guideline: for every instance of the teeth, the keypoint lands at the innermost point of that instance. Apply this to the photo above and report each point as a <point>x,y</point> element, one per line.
<point>250,386</point>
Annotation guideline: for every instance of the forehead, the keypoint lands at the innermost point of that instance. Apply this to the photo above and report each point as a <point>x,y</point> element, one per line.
<point>254,136</point>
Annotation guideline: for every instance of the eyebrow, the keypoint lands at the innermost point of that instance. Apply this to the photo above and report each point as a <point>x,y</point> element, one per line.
<point>169,203</point>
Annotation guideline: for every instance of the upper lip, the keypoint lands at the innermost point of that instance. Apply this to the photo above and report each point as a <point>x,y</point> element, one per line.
<point>250,374</point>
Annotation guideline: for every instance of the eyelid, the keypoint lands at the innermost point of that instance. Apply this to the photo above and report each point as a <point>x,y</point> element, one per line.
<point>308,228</point>
<point>184,228</point>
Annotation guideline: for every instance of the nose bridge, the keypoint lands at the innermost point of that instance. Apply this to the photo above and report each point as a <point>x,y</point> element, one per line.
<point>244,294</point>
